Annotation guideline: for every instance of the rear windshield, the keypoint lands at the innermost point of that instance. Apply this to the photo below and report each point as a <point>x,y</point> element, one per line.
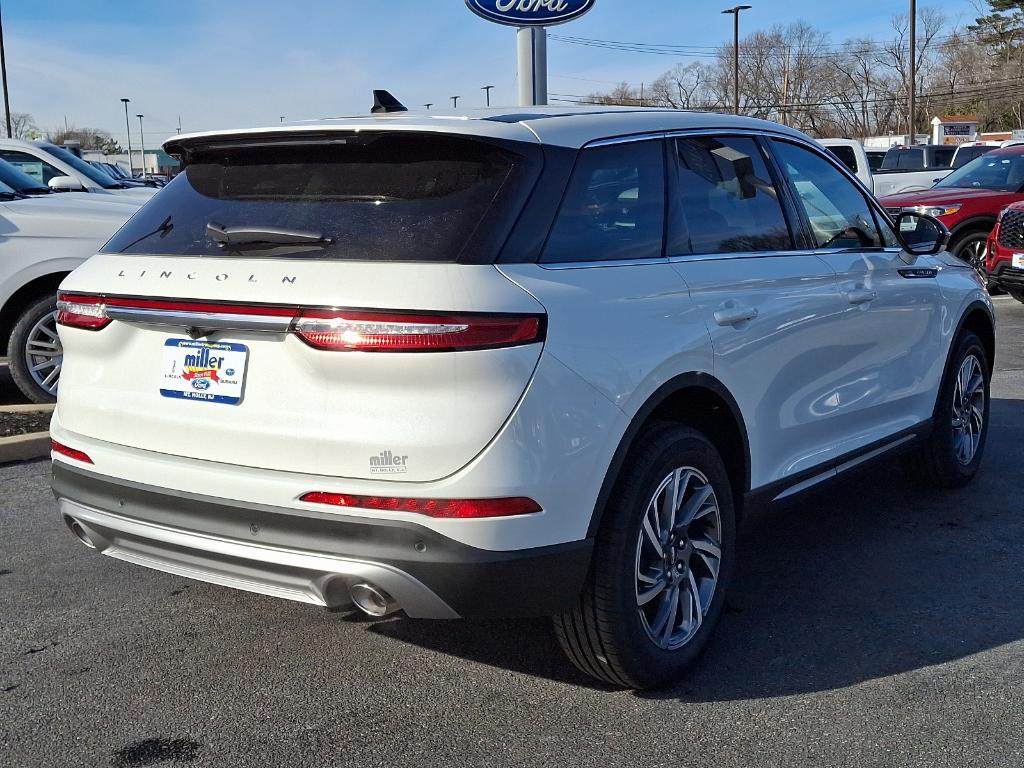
<point>910,158</point>
<point>845,155</point>
<point>367,197</point>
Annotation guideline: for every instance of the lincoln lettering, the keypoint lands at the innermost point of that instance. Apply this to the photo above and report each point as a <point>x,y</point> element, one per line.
<point>220,277</point>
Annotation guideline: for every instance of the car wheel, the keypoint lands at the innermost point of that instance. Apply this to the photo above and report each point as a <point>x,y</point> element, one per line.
<point>1018,296</point>
<point>951,455</point>
<point>972,250</point>
<point>36,354</point>
<point>662,562</point>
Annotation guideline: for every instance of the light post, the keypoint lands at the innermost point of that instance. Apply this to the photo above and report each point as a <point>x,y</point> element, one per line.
<point>142,140</point>
<point>3,68</point>
<point>455,102</point>
<point>487,89</point>
<point>735,11</point>
<point>128,128</point>
<point>428,105</point>
<point>912,116</point>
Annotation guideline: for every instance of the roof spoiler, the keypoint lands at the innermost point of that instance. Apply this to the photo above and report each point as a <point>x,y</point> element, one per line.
<point>384,102</point>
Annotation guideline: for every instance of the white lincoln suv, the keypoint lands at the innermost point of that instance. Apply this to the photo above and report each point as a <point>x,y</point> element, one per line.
<point>532,362</point>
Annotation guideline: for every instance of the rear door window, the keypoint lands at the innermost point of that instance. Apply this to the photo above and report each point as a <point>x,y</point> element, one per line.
<point>31,165</point>
<point>614,207</point>
<point>724,199</point>
<point>368,197</point>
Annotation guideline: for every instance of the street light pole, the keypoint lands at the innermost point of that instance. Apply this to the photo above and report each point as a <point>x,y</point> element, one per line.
<point>735,11</point>
<point>429,105</point>
<point>128,127</point>
<point>142,140</point>
<point>487,89</point>
<point>455,102</point>
<point>912,116</point>
<point>3,68</point>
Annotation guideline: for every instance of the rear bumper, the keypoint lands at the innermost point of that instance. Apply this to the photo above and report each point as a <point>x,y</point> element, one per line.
<point>315,557</point>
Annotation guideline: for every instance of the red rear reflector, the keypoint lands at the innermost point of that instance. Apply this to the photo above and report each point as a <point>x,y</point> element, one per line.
<point>71,453</point>
<point>88,312</point>
<point>395,332</point>
<point>449,508</point>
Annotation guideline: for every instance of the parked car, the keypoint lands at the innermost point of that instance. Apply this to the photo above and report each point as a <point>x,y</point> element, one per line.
<point>881,182</point>
<point>514,364</point>
<point>969,200</point>
<point>1005,252</point>
<point>971,150</point>
<point>43,236</point>
<point>64,171</point>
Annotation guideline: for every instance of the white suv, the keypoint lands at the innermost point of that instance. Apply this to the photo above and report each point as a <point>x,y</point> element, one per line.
<point>506,364</point>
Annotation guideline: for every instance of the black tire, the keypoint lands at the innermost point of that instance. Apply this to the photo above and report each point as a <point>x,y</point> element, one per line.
<point>19,360</point>
<point>1018,296</point>
<point>935,463</point>
<point>604,634</point>
<point>971,249</point>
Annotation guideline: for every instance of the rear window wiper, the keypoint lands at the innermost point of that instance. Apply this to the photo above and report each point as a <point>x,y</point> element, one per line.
<point>232,237</point>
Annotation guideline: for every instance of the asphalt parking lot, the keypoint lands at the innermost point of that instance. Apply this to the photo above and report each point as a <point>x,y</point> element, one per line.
<point>875,625</point>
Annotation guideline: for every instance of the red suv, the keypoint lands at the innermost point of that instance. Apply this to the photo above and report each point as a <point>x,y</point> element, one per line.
<point>1005,253</point>
<point>969,200</point>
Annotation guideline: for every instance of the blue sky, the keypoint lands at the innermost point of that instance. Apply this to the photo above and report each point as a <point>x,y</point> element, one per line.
<point>225,63</point>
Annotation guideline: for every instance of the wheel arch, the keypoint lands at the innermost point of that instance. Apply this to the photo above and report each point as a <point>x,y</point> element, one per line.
<point>971,226</point>
<point>978,319</point>
<point>697,400</point>
<point>21,298</point>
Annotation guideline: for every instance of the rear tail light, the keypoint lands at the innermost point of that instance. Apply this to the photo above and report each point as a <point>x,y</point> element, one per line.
<point>329,329</point>
<point>463,509</point>
<point>88,312</point>
<point>71,453</point>
<point>390,332</point>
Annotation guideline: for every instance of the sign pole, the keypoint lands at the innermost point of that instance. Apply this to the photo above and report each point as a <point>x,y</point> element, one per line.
<point>532,50</point>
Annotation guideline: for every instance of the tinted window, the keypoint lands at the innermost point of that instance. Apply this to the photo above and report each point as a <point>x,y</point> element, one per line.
<point>30,165</point>
<point>725,201</point>
<point>1001,171</point>
<point>79,165</point>
<point>944,156</point>
<point>875,159</point>
<point>18,180</point>
<point>907,158</point>
<point>374,197</point>
<point>839,215</point>
<point>614,207</point>
<point>846,156</point>
<point>964,155</point>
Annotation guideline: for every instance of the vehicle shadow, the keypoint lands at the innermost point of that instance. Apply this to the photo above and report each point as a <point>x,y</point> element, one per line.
<point>869,578</point>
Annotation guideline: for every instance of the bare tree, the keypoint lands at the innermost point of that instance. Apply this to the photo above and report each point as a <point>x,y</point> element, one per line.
<point>23,126</point>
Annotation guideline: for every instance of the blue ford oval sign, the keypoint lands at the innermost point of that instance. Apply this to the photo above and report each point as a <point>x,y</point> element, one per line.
<point>530,13</point>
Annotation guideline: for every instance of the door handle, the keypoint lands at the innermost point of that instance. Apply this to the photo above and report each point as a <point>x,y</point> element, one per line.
<point>735,315</point>
<point>861,295</point>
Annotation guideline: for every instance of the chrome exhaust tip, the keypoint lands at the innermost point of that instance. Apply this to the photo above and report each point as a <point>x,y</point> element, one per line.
<point>371,600</point>
<point>80,532</point>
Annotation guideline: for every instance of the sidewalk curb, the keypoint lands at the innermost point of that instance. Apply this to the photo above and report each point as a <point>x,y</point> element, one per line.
<point>35,445</point>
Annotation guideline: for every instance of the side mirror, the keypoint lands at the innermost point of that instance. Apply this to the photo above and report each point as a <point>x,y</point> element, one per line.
<point>922,235</point>
<point>66,184</point>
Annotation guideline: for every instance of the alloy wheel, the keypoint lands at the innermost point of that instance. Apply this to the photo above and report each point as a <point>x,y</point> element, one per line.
<point>678,558</point>
<point>44,353</point>
<point>973,253</point>
<point>968,409</point>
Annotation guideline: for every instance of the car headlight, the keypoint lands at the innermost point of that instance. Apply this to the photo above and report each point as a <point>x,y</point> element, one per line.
<point>937,211</point>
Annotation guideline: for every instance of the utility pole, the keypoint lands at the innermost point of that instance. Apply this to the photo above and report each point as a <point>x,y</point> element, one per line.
<point>735,11</point>
<point>128,128</point>
<point>142,139</point>
<point>912,117</point>
<point>785,88</point>
<point>3,68</point>
<point>455,102</point>
<point>487,89</point>
<point>641,94</point>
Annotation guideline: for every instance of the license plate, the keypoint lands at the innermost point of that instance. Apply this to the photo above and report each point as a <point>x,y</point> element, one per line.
<point>1017,262</point>
<point>203,370</point>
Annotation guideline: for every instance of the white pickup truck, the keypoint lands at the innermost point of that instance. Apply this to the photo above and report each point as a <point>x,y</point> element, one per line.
<point>886,181</point>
